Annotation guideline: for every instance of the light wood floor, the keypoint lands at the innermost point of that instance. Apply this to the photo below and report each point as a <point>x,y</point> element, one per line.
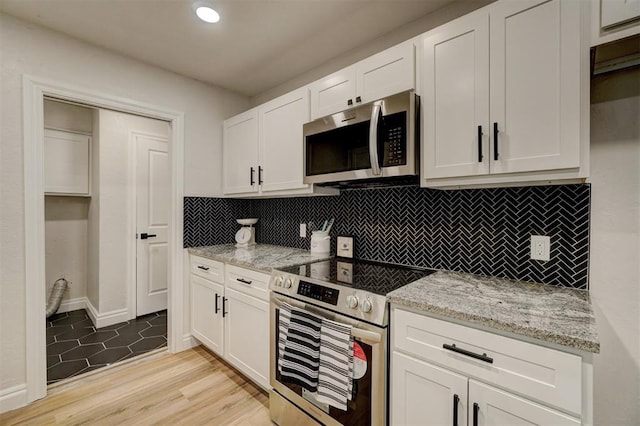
<point>189,388</point>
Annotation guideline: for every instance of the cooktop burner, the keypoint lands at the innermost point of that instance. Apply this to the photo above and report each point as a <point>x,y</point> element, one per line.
<point>374,277</point>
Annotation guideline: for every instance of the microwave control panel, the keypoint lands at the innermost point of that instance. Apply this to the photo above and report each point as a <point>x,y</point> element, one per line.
<point>395,140</point>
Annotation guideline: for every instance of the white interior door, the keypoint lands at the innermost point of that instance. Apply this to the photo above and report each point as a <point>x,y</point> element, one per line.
<point>152,207</point>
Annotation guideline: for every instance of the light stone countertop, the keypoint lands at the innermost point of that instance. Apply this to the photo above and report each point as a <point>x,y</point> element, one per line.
<point>261,257</point>
<point>553,314</point>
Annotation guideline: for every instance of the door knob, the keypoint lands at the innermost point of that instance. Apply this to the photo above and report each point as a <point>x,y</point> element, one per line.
<point>144,236</point>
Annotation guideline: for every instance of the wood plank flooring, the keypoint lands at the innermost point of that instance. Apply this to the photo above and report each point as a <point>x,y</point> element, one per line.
<point>193,387</point>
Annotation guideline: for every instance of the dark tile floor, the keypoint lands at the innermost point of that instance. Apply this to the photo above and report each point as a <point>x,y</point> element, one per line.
<point>75,346</point>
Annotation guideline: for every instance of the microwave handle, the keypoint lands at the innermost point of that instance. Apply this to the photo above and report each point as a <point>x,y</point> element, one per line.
<point>373,138</point>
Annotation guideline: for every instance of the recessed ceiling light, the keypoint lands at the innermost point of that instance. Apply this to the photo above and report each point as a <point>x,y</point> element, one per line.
<point>205,11</point>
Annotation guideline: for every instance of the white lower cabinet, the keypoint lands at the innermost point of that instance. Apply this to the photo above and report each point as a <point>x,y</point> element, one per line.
<point>230,315</point>
<point>246,332</point>
<point>424,394</point>
<point>206,313</point>
<point>491,406</point>
<point>435,381</point>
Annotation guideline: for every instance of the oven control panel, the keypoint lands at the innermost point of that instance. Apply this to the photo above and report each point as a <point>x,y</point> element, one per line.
<point>318,292</point>
<point>340,298</point>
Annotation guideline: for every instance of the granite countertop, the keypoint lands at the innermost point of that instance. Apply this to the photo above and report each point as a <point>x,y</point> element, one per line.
<point>260,257</point>
<point>552,314</point>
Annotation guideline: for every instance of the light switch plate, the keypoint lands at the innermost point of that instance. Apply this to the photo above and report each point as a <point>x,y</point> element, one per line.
<point>345,247</point>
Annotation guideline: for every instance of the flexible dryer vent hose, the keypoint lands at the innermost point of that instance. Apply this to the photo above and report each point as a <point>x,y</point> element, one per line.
<point>55,298</point>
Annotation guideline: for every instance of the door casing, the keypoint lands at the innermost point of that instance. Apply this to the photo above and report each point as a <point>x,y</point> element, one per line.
<point>34,90</point>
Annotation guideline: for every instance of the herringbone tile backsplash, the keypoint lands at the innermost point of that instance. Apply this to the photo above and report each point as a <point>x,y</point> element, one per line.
<point>482,231</point>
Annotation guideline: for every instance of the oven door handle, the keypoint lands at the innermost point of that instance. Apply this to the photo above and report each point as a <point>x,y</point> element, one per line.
<point>373,138</point>
<point>358,333</point>
<point>366,335</point>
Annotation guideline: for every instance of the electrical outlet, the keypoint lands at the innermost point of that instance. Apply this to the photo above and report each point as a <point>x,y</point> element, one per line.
<point>303,230</point>
<point>540,247</point>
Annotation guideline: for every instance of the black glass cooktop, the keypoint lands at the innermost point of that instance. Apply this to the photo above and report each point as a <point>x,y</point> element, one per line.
<point>379,278</point>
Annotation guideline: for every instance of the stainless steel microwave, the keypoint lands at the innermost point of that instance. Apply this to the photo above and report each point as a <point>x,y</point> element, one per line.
<point>374,140</point>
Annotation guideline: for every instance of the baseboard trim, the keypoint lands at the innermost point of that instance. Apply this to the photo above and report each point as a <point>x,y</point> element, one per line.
<point>188,342</point>
<point>13,397</point>
<point>106,318</point>
<point>73,304</point>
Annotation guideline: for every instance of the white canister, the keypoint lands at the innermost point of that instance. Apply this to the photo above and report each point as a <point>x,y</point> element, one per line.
<point>320,242</point>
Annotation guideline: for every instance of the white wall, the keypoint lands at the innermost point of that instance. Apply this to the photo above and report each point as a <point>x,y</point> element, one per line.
<point>65,224</point>
<point>420,25</point>
<point>25,48</point>
<point>64,116</point>
<point>615,245</point>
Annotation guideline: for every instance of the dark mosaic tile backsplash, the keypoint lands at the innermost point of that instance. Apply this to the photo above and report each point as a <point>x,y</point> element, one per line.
<point>482,231</point>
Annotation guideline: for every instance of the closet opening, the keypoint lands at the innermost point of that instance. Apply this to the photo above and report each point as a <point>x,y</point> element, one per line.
<point>102,306</point>
<point>103,214</point>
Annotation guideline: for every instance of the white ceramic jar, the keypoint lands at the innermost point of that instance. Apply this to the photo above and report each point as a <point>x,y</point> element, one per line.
<point>320,242</point>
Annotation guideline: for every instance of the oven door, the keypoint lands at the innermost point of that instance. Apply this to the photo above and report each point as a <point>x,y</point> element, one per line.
<point>368,405</point>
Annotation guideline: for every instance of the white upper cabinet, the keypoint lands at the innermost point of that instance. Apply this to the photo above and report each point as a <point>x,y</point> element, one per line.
<point>456,98</point>
<point>613,20</point>
<point>616,12</point>
<point>386,73</point>
<point>281,141</point>
<point>240,153</point>
<point>263,149</point>
<point>505,96</point>
<point>535,86</point>
<point>67,163</point>
<point>334,93</point>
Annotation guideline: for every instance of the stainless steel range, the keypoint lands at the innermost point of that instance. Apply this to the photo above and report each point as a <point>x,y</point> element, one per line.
<point>349,292</point>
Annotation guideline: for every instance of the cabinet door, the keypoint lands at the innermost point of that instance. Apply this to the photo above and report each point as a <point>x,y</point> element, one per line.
<point>456,98</point>
<point>535,78</point>
<point>386,73</point>
<point>333,93</point>
<point>247,335</point>
<point>615,12</point>
<point>423,394</point>
<point>66,162</point>
<point>206,320</point>
<point>240,153</point>
<point>497,407</point>
<point>281,141</point>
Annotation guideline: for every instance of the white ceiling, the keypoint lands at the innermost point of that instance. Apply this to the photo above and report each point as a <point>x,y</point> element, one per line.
<point>257,45</point>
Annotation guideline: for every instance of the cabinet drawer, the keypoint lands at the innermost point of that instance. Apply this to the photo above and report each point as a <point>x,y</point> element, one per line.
<point>544,374</point>
<point>207,268</point>
<point>247,281</point>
